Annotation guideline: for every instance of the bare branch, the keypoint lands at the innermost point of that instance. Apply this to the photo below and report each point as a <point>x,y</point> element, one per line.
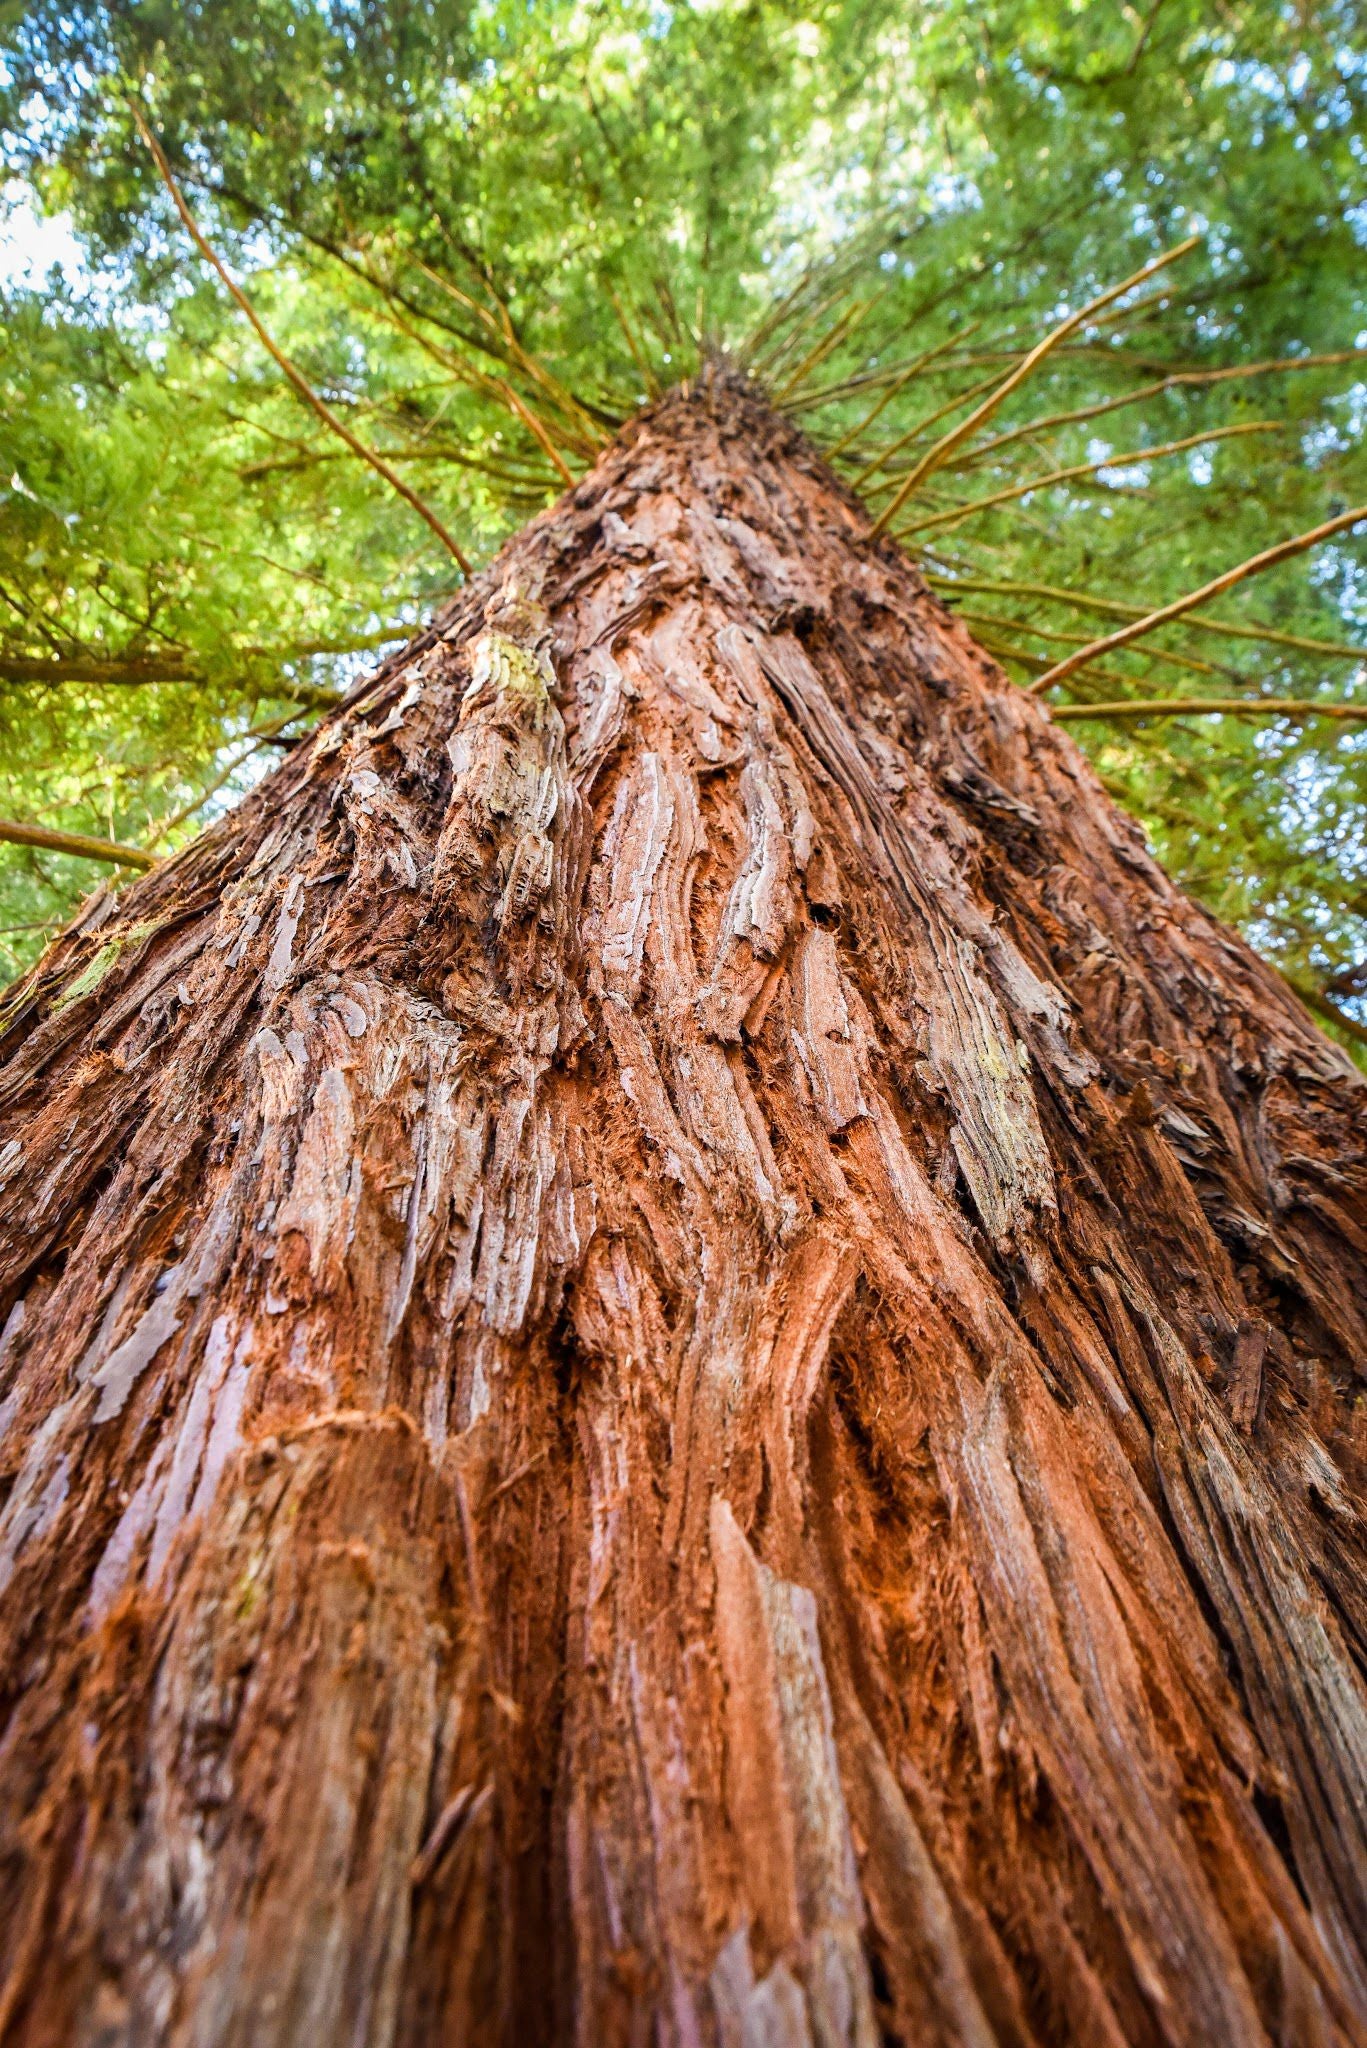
<point>1280,553</point>
<point>1180,380</point>
<point>903,378</point>
<point>522,358</point>
<point>838,332</point>
<point>642,362</point>
<point>80,843</point>
<point>1317,1000</point>
<point>993,622</point>
<point>295,376</point>
<point>1112,607</point>
<point>137,673</point>
<point>1175,707</point>
<point>1080,469</point>
<point>914,432</point>
<point>945,447</point>
<point>537,428</point>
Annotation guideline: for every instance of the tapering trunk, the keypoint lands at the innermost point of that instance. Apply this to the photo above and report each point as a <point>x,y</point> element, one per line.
<point>680,1362</point>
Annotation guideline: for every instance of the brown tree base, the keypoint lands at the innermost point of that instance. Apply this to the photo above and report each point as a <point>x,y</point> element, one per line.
<point>680,1359</point>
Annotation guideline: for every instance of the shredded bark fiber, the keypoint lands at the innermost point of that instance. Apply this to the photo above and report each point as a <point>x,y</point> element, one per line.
<point>682,1359</point>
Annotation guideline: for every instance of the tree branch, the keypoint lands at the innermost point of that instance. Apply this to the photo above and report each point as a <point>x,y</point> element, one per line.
<point>1269,556</point>
<point>135,674</point>
<point>1081,469</point>
<point>1180,380</point>
<point>914,432</point>
<point>901,379</point>
<point>1112,607</point>
<point>1316,999</point>
<point>994,622</point>
<point>295,376</point>
<point>946,445</point>
<point>79,843</point>
<point>1174,707</point>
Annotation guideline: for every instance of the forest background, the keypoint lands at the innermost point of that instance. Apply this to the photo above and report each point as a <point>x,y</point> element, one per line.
<point>486,234</point>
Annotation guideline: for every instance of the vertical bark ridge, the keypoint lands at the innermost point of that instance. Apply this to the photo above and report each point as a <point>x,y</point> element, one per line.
<point>680,1358</point>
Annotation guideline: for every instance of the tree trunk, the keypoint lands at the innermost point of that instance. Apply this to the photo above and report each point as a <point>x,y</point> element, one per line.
<point>680,1362</point>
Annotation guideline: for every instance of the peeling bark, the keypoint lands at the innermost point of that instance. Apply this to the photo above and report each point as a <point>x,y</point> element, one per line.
<point>681,1359</point>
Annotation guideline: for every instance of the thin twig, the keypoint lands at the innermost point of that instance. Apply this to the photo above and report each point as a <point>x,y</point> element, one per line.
<point>439,451</point>
<point>483,382</point>
<point>1002,650</point>
<point>295,376</point>
<point>945,447</point>
<point>259,737</point>
<point>820,284</point>
<point>1004,654</point>
<point>1317,1000</point>
<point>878,374</point>
<point>1269,556</point>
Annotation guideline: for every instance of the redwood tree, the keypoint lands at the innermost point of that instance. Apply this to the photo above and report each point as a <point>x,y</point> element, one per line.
<point>680,1357</point>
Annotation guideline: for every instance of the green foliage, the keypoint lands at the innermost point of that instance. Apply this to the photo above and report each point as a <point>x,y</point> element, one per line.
<point>487,232</point>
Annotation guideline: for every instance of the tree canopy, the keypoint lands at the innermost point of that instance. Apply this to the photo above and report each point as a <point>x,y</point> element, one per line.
<point>486,234</point>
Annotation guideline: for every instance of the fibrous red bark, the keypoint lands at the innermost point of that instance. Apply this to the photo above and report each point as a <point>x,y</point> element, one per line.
<point>680,1358</point>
